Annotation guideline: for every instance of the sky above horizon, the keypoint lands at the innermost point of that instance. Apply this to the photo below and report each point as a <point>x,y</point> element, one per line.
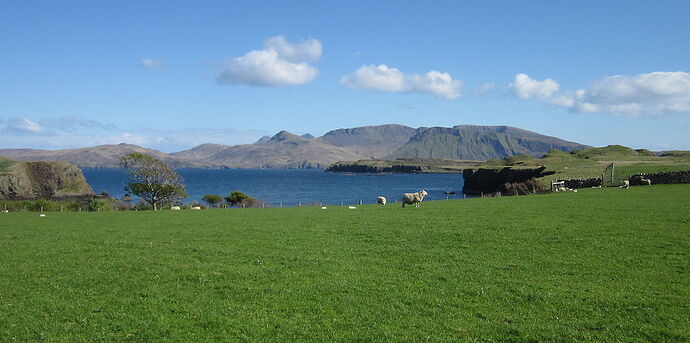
<point>170,75</point>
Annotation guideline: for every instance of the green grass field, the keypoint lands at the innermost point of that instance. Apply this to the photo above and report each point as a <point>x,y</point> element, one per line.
<point>596,265</point>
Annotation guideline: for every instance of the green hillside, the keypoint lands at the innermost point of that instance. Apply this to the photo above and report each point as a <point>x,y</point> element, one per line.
<point>600,265</point>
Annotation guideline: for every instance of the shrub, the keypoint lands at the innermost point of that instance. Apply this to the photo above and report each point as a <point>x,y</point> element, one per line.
<point>212,199</point>
<point>100,205</point>
<point>240,199</point>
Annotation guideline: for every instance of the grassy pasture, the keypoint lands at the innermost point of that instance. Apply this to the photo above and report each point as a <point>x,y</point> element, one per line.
<point>593,162</point>
<point>597,265</point>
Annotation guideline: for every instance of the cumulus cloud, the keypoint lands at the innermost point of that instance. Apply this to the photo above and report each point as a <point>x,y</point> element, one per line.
<point>383,78</point>
<point>651,94</point>
<point>152,63</point>
<point>525,87</point>
<point>308,50</point>
<point>279,63</point>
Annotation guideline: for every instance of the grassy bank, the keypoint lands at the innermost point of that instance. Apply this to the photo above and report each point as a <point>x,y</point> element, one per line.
<point>597,265</point>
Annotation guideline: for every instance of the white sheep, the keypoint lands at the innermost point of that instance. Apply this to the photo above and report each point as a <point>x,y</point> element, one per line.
<point>196,208</point>
<point>413,198</point>
<point>175,208</point>
<point>381,200</point>
<point>625,184</point>
<point>648,182</point>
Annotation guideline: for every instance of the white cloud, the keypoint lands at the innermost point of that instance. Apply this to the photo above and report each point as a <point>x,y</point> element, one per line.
<point>384,78</point>
<point>651,94</point>
<point>152,63</point>
<point>308,50</point>
<point>525,87</point>
<point>280,63</point>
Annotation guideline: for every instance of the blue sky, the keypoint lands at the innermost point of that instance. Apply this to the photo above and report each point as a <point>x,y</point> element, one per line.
<point>170,75</point>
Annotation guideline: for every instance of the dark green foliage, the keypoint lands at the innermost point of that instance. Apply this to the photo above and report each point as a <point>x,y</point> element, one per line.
<point>237,198</point>
<point>600,265</point>
<point>154,181</point>
<point>213,200</point>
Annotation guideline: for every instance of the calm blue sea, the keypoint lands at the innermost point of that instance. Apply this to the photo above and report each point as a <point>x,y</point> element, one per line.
<point>293,186</point>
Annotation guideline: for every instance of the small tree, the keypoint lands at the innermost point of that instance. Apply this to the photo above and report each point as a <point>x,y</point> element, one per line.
<point>154,181</point>
<point>212,199</point>
<point>239,199</point>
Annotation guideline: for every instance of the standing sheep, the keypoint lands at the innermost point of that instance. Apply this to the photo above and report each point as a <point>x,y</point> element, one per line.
<point>381,200</point>
<point>413,198</point>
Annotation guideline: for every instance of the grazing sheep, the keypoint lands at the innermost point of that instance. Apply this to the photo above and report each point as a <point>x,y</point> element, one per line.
<point>413,198</point>
<point>381,200</point>
<point>625,184</point>
<point>352,207</point>
<point>175,208</point>
<point>196,208</point>
<point>648,182</point>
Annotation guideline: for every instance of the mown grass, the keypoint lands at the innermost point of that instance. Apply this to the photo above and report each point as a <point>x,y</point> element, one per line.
<point>597,265</point>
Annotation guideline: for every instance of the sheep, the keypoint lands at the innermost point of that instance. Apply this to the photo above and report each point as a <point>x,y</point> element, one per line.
<point>413,198</point>
<point>196,208</point>
<point>175,208</point>
<point>381,200</point>
<point>352,207</point>
<point>625,184</point>
<point>647,182</point>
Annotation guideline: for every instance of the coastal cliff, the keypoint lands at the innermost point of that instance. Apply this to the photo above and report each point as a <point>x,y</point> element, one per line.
<point>41,180</point>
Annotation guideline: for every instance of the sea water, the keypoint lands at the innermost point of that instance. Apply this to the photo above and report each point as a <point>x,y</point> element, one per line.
<point>292,187</point>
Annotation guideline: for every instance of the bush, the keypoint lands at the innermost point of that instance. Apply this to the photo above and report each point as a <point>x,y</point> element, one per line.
<point>530,186</point>
<point>212,200</point>
<point>100,205</point>
<point>240,199</point>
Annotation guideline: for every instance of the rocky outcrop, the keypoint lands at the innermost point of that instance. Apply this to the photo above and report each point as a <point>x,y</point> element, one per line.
<point>43,180</point>
<point>505,180</point>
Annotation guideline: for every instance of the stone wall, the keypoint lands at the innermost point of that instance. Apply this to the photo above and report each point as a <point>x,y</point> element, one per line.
<point>582,183</point>
<point>661,178</point>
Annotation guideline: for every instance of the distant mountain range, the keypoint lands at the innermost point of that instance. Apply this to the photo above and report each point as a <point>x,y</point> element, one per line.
<point>287,150</point>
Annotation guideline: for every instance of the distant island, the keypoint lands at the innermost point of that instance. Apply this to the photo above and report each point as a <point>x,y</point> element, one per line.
<point>389,142</point>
